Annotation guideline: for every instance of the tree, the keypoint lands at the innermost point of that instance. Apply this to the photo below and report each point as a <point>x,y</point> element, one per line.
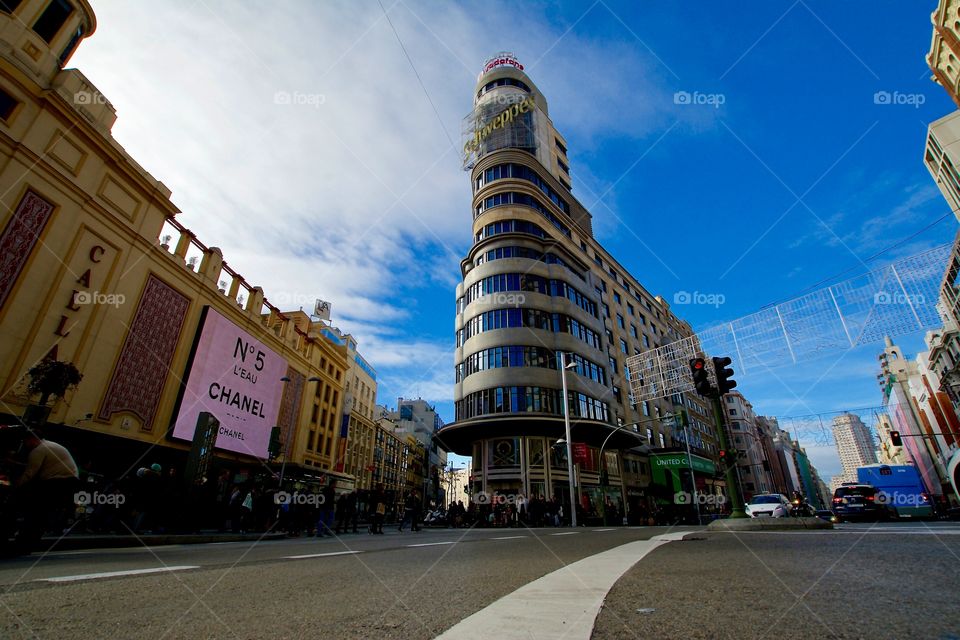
<point>52,378</point>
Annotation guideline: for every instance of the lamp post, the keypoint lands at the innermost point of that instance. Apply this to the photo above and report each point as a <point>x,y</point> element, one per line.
<point>561,362</point>
<point>605,473</point>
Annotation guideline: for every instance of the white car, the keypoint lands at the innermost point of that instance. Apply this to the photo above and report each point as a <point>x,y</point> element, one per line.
<point>768,505</point>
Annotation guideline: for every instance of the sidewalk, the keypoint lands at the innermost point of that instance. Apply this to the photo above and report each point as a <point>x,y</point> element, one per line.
<point>106,541</point>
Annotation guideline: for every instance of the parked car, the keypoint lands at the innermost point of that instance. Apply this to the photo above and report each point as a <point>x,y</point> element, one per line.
<point>855,501</point>
<point>826,514</point>
<point>768,505</point>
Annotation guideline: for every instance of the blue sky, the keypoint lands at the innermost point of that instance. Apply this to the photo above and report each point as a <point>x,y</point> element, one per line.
<point>354,193</point>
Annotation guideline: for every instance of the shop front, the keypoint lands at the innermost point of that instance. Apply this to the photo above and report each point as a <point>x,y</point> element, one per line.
<point>684,486</point>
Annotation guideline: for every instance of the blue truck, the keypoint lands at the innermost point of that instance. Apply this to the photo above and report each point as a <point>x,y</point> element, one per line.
<point>899,487</point>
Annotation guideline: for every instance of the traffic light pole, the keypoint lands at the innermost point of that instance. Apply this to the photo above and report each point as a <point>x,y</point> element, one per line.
<point>730,473</point>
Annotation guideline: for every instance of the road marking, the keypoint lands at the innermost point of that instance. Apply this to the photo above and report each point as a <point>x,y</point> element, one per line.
<point>599,530</point>
<point>113,574</point>
<point>566,533</point>
<point>321,555</point>
<point>564,603</point>
<point>509,537</point>
<point>431,544</point>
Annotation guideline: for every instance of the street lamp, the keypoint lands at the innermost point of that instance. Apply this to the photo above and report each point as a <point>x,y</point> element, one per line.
<point>605,473</point>
<point>566,423</point>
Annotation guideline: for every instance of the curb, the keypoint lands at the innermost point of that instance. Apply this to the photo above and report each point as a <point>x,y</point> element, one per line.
<point>70,543</point>
<point>768,524</point>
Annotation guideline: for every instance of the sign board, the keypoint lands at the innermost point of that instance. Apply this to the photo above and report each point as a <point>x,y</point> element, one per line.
<point>501,59</point>
<point>237,379</point>
<point>581,455</point>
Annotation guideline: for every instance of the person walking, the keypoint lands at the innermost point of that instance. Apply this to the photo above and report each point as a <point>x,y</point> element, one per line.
<point>411,512</point>
<point>46,486</point>
<point>327,505</point>
<point>378,509</point>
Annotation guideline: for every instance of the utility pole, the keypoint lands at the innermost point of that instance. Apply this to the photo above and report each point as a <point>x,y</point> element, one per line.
<point>725,383</point>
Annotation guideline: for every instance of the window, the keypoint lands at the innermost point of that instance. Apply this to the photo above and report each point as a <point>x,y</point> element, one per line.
<point>733,412</point>
<point>646,410</point>
<point>7,104</point>
<point>630,309</point>
<point>662,443</point>
<point>623,346</point>
<point>563,166</point>
<point>613,364</point>
<point>633,332</point>
<point>620,322</point>
<point>562,149</point>
<point>616,394</point>
<point>606,309</point>
<point>9,6</point>
<point>71,46</point>
<point>646,341</point>
<point>616,298</point>
<point>52,18</point>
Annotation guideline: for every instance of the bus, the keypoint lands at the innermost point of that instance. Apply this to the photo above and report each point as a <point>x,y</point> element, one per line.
<point>899,486</point>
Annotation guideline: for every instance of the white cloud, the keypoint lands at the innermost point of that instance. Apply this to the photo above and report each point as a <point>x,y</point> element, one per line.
<point>297,138</point>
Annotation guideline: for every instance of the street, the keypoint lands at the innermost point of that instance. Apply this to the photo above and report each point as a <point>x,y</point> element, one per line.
<point>860,580</point>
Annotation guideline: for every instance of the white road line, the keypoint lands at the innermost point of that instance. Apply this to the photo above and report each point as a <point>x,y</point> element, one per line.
<point>112,574</point>
<point>321,555</point>
<point>562,604</point>
<point>431,544</point>
<point>599,530</point>
<point>566,533</point>
<point>509,537</point>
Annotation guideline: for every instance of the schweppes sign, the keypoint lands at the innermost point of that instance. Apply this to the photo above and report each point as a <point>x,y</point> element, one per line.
<point>499,121</point>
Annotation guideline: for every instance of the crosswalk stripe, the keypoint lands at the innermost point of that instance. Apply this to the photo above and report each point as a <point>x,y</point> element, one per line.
<point>322,555</point>
<point>114,574</point>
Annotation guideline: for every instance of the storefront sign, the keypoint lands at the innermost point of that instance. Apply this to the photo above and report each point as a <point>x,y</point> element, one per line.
<point>679,461</point>
<point>502,119</point>
<point>502,59</point>
<point>236,378</point>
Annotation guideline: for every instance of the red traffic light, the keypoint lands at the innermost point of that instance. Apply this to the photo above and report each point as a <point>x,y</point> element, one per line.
<point>895,439</point>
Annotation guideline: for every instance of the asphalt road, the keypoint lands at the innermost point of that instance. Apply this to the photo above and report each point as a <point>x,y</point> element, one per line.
<point>376,586</point>
<point>898,580</point>
<point>860,581</point>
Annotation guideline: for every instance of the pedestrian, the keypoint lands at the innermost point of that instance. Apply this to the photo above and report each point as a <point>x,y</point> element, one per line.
<point>378,509</point>
<point>327,505</point>
<point>352,510</point>
<point>411,512</point>
<point>340,515</point>
<point>46,486</point>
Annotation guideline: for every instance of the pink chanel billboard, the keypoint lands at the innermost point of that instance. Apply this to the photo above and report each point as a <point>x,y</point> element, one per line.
<point>235,377</point>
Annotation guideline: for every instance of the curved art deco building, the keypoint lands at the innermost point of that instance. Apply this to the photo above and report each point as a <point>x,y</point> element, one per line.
<point>535,284</point>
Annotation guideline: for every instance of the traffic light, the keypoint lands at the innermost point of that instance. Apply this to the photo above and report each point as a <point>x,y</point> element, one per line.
<point>895,439</point>
<point>725,458</point>
<point>698,367</point>
<point>274,446</point>
<point>725,381</point>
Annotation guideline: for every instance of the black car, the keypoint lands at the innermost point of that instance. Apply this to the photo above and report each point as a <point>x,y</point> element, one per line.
<point>854,501</point>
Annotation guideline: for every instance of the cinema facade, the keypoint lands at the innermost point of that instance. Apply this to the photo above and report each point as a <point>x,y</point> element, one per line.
<point>536,283</point>
<point>97,271</point>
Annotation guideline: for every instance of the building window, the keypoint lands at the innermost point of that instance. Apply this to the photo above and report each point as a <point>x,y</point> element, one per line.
<point>7,104</point>
<point>646,409</point>
<point>563,166</point>
<point>606,309</point>
<point>52,19</point>
<point>620,322</point>
<point>71,46</point>
<point>562,149</point>
<point>9,6</point>
<point>616,296</point>
<point>623,346</point>
<point>646,341</point>
<point>630,309</point>
<point>633,332</point>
